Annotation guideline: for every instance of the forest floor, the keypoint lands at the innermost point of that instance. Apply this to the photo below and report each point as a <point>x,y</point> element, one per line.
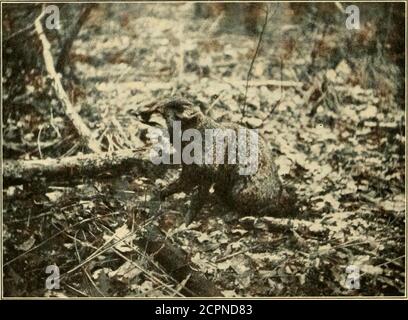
<point>341,146</point>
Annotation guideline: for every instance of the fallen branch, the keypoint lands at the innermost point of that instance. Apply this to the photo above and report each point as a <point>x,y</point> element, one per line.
<point>175,261</point>
<point>260,83</point>
<point>304,227</point>
<point>80,126</point>
<point>23,171</point>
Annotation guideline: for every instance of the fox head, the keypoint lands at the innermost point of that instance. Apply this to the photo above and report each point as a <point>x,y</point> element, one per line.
<point>175,109</point>
<point>180,110</point>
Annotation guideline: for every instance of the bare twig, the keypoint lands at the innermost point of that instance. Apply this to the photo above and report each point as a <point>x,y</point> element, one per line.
<point>236,253</point>
<point>28,29</point>
<point>214,103</point>
<point>76,120</point>
<point>254,57</point>
<point>270,82</point>
<point>39,141</point>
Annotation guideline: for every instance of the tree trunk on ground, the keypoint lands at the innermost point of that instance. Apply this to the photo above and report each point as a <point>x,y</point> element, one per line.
<point>23,171</point>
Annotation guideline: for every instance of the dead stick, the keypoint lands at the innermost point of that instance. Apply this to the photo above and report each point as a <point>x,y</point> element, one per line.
<point>176,262</point>
<point>76,120</point>
<point>23,171</point>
